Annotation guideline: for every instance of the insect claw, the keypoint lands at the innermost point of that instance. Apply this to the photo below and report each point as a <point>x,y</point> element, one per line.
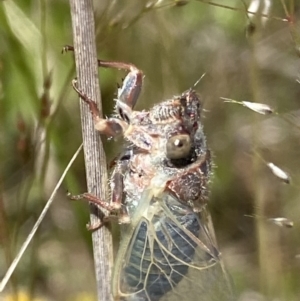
<point>94,227</point>
<point>67,48</point>
<point>74,197</point>
<point>74,85</point>
<point>105,220</point>
<point>89,101</point>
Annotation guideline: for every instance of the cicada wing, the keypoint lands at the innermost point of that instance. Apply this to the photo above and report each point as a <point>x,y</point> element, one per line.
<point>171,256</point>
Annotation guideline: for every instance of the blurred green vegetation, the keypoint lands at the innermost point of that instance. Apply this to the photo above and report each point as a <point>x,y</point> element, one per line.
<point>174,44</point>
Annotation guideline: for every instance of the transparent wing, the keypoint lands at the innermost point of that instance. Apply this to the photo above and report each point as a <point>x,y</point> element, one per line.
<point>170,255</point>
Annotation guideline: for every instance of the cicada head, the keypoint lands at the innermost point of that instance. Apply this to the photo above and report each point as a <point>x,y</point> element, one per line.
<point>171,131</point>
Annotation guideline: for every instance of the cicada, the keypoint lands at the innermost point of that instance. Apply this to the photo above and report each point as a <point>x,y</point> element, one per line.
<point>159,194</point>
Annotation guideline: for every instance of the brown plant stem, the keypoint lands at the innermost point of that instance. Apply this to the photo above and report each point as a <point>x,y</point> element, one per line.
<point>87,73</point>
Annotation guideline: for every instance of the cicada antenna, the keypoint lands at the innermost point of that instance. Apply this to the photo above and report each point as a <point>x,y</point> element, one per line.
<point>198,81</point>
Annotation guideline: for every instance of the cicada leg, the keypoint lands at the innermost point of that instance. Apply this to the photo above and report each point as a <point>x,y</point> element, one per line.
<point>129,93</point>
<point>110,127</point>
<point>127,98</point>
<point>116,210</point>
<point>95,200</point>
<point>117,191</point>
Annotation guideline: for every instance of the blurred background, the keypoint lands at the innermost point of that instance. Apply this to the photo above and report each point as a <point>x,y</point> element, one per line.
<point>246,57</point>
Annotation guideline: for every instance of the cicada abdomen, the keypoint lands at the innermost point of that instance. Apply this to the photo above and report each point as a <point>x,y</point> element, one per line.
<point>169,255</point>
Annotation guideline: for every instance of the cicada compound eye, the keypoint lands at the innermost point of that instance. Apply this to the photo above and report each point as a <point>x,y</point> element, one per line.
<point>178,147</point>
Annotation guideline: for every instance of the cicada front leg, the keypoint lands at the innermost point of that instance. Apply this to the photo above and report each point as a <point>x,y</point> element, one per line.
<point>110,127</point>
<point>129,92</point>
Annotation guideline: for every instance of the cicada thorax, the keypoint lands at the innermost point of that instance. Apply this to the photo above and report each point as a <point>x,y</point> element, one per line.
<point>190,184</point>
<point>187,178</point>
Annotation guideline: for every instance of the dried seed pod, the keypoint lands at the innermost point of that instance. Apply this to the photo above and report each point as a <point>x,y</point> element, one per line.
<point>260,108</point>
<point>279,221</point>
<point>259,10</point>
<point>282,222</point>
<point>279,173</point>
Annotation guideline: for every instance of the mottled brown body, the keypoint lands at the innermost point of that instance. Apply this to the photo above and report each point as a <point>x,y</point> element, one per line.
<point>159,194</point>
